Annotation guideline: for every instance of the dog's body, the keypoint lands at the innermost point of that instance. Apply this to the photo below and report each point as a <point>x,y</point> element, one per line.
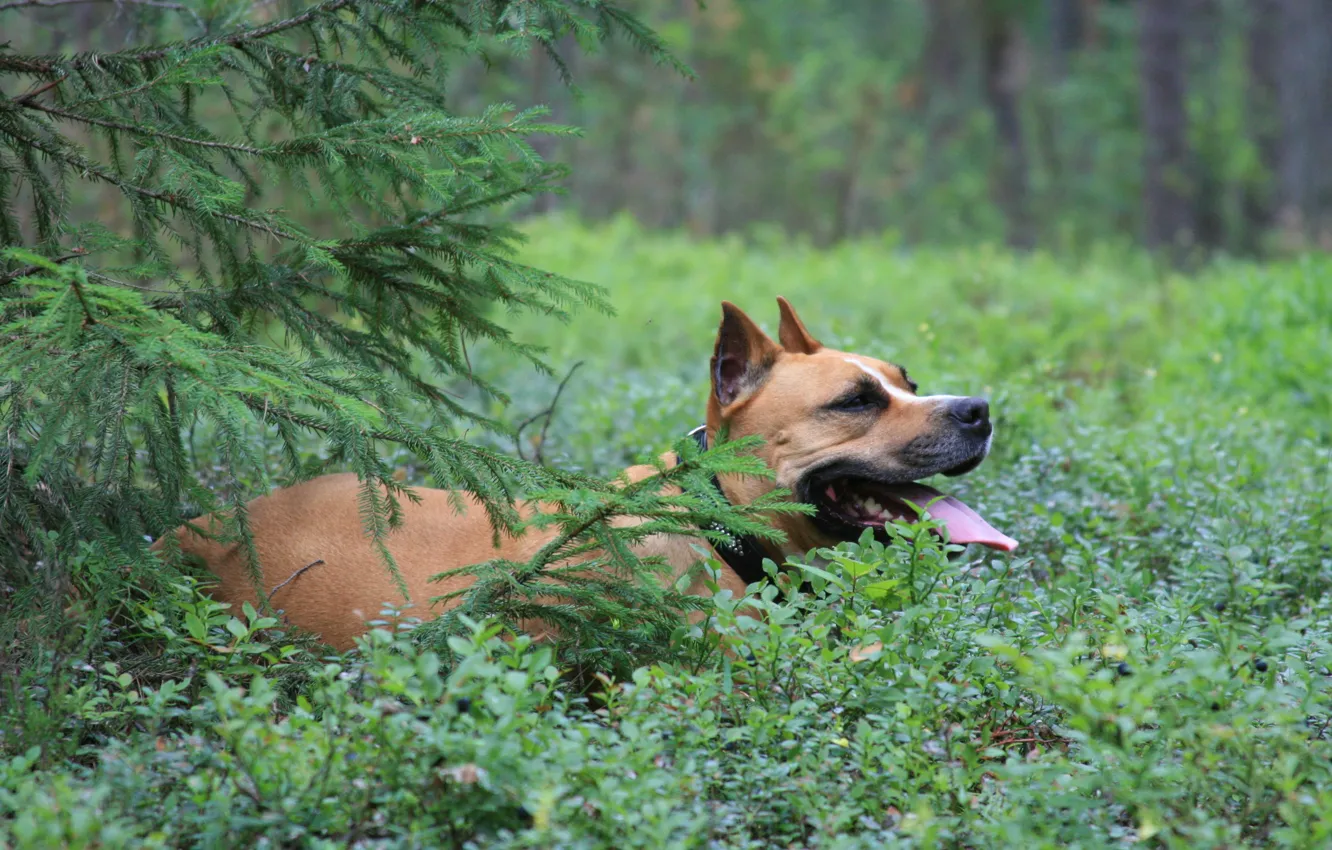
<point>317,524</point>
<point>844,432</point>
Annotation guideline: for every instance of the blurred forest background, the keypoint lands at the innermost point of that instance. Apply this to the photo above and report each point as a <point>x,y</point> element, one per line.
<point>1036,122</point>
<point>1183,124</point>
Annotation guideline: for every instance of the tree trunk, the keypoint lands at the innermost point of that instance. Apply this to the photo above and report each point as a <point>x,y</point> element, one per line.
<point>1068,29</point>
<point>1304,74</point>
<point>1322,134</point>
<point>1297,74</point>
<point>1263,49</point>
<point>944,65</point>
<point>945,55</point>
<point>1003,72</point>
<point>848,182</point>
<point>1210,192</point>
<point>1167,194</point>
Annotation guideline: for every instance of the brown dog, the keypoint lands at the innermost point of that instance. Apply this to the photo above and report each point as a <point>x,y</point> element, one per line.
<point>843,432</point>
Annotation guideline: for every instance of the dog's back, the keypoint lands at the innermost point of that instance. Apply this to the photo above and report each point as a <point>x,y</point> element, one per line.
<point>318,522</point>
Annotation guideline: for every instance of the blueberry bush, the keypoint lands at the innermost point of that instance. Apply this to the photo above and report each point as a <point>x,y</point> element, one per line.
<point>1150,668</point>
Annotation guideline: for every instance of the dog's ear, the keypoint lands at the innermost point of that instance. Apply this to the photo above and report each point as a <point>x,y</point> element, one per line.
<point>743,356</point>
<point>792,333</point>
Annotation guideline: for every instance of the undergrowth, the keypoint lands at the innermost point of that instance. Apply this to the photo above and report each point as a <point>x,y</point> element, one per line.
<point>1151,667</point>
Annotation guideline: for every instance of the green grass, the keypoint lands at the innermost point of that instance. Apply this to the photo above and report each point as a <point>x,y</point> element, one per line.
<point>1056,345</point>
<point>1152,666</point>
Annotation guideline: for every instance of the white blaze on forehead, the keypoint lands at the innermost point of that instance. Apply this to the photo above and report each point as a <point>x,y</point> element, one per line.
<point>893,392</point>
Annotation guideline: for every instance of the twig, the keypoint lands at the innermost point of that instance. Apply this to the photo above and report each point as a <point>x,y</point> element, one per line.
<point>173,411</point>
<point>92,170</point>
<point>293,577</point>
<point>254,403</point>
<point>257,33</point>
<point>541,442</point>
<point>462,340</point>
<point>549,414</point>
<point>235,39</point>
<point>133,90</point>
<point>87,311</point>
<point>10,277</point>
<point>140,287</point>
<point>26,100</point>
<point>133,128</point>
<point>20,4</point>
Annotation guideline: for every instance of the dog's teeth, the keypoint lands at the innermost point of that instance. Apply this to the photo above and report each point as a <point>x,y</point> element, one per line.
<point>873,507</point>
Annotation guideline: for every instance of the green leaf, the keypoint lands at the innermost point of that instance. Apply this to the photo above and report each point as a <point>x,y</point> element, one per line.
<point>886,592</point>
<point>195,627</point>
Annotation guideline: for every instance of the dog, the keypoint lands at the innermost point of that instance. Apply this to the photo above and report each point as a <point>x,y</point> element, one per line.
<point>846,433</point>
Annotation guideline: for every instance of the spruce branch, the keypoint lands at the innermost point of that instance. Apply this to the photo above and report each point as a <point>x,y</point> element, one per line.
<point>18,274</point>
<point>29,97</point>
<point>137,129</point>
<point>173,199</point>
<point>216,320</point>
<point>234,39</point>
<point>20,4</point>
<point>587,575</point>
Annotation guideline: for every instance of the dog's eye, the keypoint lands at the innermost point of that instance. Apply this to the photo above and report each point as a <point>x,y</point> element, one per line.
<point>910,383</point>
<point>855,403</point>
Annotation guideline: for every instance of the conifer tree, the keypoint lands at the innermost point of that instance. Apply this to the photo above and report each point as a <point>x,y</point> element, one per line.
<point>341,319</point>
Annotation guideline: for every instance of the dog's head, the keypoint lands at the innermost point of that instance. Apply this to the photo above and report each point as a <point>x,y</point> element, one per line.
<point>844,432</point>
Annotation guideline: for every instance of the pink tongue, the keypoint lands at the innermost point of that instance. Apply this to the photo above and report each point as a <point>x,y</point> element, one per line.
<point>964,524</point>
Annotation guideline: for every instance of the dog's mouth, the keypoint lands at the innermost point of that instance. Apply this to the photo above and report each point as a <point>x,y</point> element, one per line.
<point>848,505</point>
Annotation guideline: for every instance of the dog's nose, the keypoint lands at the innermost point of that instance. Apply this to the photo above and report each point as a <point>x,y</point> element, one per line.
<point>972,415</point>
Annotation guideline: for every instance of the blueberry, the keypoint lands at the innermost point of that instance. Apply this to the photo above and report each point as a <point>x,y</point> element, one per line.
<point>1220,606</point>
<point>1260,665</point>
<point>463,704</point>
<point>1124,669</point>
<point>1216,706</point>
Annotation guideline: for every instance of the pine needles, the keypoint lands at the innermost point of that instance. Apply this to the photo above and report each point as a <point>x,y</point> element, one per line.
<point>200,300</point>
<point>609,605</point>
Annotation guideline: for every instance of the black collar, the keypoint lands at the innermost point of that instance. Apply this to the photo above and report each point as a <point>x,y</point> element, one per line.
<point>743,554</point>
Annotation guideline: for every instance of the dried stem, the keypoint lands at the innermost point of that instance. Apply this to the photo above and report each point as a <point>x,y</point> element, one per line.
<point>549,414</point>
